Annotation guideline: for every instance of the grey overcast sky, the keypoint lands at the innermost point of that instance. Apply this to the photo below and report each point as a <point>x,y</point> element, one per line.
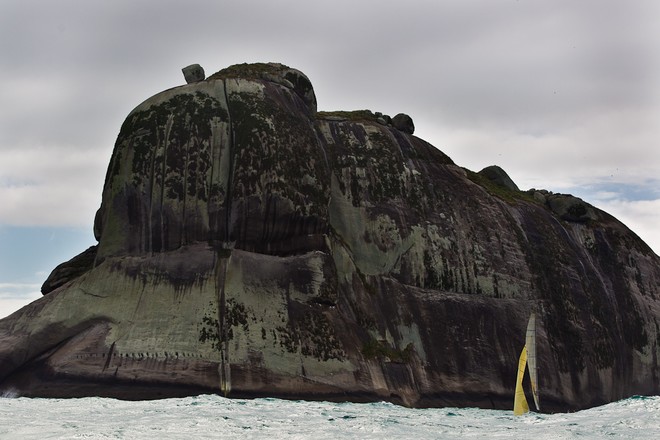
<point>562,94</point>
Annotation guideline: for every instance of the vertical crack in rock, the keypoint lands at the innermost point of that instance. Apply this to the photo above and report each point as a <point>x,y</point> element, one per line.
<point>230,172</point>
<point>224,371</point>
<point>109,356</point>
<point>163,174</point>
<point>224,256</point>
<point>152,179</point>
<point>186,168</point>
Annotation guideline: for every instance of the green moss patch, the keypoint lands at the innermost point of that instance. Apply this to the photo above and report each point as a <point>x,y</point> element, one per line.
<point>375,349</point>
<point>499,191</point>
<point>354,115</point>
<point>249,71</point>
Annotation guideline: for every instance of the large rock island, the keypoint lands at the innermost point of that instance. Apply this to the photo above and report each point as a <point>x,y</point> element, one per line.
<point>249,245</point>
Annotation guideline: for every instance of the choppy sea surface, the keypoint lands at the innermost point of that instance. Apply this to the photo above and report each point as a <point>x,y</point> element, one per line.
<point>216,417</point>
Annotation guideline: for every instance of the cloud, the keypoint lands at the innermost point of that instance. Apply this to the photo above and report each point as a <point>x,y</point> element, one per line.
<point>561,94</point>
<point>15,295</point>
<point>10,305</point>
<point>50,186</point>
<point>611,146</point>
<point>642,216</point>
<point>19,291</point>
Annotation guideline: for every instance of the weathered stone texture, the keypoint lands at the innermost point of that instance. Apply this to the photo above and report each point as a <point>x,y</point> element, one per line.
<point>193,73</point>
<point>404,123</point>
<point>252,247</point>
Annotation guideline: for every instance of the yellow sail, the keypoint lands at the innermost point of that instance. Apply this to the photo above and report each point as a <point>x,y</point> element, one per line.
<point>520,402</point>
<point>530,342</point>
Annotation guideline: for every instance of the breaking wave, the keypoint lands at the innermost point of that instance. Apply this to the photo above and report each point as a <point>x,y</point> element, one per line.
<point>212,416</point>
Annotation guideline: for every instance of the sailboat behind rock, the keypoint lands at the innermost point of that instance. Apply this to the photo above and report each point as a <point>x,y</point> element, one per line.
<point>527,359</point>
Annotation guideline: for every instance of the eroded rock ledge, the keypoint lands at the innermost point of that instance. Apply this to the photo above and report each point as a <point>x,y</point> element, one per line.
<point>252,246</point>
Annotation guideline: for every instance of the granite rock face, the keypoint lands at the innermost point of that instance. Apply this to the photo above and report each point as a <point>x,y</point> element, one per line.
<point>251,246</point>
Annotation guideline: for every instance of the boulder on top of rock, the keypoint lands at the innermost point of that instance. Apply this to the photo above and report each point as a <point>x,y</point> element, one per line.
<point>383,119</point>
<point>70,270</point>
<point>277,73</point>
<point>404,123</point>
<point>570,208</point>
<point>193,73</point>
<point>499,177</point>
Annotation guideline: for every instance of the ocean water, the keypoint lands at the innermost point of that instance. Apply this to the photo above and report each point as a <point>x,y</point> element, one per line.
<point>216,417</point>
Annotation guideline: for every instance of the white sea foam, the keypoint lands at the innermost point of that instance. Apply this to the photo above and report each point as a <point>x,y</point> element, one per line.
<point>217,417</point>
